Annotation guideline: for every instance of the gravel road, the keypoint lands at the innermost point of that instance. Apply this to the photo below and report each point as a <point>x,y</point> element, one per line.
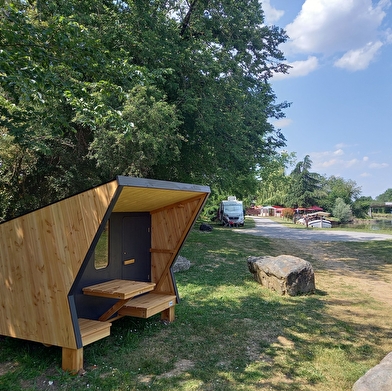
<point>268,228</point>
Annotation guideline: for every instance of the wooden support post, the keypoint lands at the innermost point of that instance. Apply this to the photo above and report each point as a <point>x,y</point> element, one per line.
<point>168,314</point>
<point>72,360</point>
<point>112,310</point>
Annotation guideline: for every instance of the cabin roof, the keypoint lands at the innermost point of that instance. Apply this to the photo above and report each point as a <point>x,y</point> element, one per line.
<point>146,195</point>
<point>140,194</point>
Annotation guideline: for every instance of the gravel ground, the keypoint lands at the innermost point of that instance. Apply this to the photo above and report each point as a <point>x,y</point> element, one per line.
<point>271,229</point>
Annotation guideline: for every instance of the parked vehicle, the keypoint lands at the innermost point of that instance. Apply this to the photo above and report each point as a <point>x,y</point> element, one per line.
<point>231,212</point>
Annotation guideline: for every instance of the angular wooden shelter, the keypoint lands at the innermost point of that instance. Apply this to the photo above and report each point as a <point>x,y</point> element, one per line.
<point>68,270</point>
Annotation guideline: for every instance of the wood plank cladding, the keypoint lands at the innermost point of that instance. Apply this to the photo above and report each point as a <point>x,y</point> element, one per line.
<point>47,260</point>
<point>147,200</point>
<point>40,256</point>
<point>170,225</point>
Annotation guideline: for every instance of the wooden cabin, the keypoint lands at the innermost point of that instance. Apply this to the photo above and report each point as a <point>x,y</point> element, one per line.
<point>68,270</point>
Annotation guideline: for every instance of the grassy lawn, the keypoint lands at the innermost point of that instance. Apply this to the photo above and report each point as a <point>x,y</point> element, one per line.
<point>232,334</point>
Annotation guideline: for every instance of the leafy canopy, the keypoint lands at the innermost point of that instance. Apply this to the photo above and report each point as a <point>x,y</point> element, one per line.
<point>385,197</point>
<point>305,186</point>
<point>167,89</point>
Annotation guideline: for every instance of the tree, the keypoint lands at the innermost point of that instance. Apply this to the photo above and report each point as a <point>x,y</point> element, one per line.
<point>304,187</point>
<point>385,197</point>
<point>65,96</point>
<point>223,93</point>
<point>166,89</point>
<point>342,211</point>
<point>273,181</point>
<point>337,187</point>
<point>361,207</point>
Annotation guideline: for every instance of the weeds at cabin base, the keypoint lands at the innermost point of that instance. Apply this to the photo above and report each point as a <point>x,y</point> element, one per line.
<point>232,334</point>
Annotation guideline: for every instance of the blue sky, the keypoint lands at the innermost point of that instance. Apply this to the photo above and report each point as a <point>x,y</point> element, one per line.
<point>340,86</point>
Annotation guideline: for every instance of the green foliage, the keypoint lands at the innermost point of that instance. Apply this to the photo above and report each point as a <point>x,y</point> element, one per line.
<point>385,197</point>
<point>149,138</point>
<point>303,188</point>
<point>172,90</point>
<point>274,183</point>
<point>304,185</point>
<point>360,207</point>
<point>342,211</point>
<point>337,187</point>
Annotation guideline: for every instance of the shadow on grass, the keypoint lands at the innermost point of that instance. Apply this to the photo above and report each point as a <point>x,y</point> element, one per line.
<point>229,334</point>
<point>251,339</point>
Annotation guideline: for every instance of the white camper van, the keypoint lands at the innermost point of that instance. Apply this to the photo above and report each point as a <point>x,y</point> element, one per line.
<point>231,212</point>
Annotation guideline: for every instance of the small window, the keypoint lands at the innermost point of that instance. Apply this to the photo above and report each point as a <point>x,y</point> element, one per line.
<point>101,254</point>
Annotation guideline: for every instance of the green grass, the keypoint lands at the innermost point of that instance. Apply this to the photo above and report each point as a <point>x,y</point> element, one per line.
<point>229,332</point>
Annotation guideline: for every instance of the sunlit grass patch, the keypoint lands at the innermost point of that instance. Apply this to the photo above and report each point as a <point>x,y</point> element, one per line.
<point>231,333</point>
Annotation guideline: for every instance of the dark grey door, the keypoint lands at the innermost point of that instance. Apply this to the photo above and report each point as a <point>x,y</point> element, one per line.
<point>136,243</point>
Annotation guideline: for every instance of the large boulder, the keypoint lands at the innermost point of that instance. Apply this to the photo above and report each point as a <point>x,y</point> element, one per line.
<point>181,264</point>
<point>284,274</point>
<point>378,378</point>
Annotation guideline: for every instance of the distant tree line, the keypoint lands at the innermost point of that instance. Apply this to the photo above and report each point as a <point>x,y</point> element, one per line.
<point>303,188</point>
<point>166,89</point>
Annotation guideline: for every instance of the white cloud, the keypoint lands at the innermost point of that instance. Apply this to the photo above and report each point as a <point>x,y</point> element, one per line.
<point>379,165</point>
<point>359,59</point>
<point>271,14</point>
<point>323,160</point>
<point>327,163</point>
<point>298,69</point>
<point>282,123</point>
<point>388,36</point>
<point>330,26</point>
<point>351,163</point>
<point>336,159</point>
<point>337,162</point>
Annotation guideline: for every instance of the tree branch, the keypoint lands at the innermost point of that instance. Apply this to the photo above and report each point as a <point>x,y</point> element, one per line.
<point>187,19</point>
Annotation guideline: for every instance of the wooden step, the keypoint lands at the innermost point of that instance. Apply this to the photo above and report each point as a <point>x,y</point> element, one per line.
<point>148,305</point>
<point>93,330</point>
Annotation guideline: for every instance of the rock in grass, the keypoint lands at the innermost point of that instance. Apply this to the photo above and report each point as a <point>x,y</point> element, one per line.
<point>378,378</point>
<point>181,264</point>
<point>284,274</point>
<point>205,227</point>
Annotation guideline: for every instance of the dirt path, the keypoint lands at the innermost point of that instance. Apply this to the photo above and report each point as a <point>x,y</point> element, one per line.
<point>334,257</point>
<point>337,262</point>
<point>269,228</point>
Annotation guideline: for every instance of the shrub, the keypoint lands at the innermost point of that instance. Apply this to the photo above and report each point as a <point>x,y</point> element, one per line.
<point>288,213</point>
<point>342,211</point>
